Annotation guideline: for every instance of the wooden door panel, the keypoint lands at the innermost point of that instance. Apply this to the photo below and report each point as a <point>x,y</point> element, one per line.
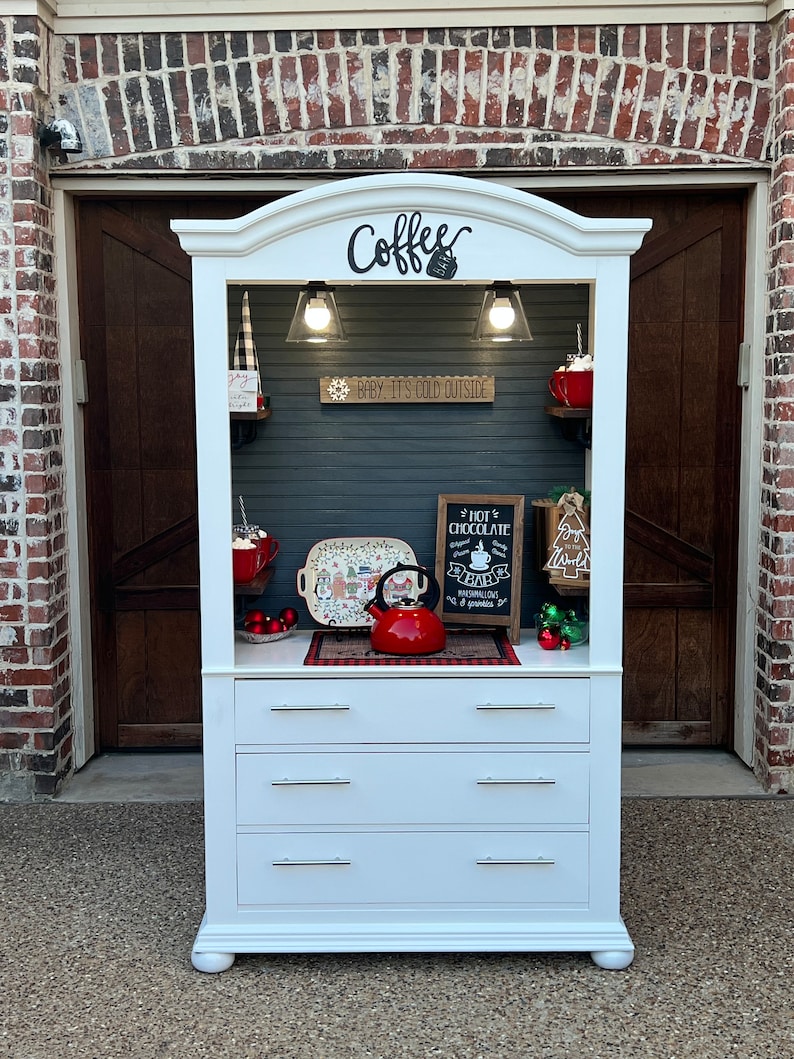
<point>130,628</point>
<point>653,490</point>
<point>643,565</point>
<point>693,664</point>
<point>153,686</point>
<point>166,396</point>
<point>696,519</point>
<point>653,290</point>
<point>650,655</point>
<point>117,261</point>
<point>122,403</point>
<point>681,449</point>
<point>166,631</point>
<point>127,519</point>
<point>682,463</point>
<point>136,339</point>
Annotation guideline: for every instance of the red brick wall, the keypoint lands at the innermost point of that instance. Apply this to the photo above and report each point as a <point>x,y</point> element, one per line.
<point>35,711</point>
<point>775,658</point>
<point>523,98</point>
<point>604,96</point>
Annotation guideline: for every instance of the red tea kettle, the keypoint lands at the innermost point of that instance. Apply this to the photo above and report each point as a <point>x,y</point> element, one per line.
<point>409,627</point>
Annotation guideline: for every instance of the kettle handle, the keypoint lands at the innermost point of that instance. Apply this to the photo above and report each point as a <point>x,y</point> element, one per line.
<point>429,597</point>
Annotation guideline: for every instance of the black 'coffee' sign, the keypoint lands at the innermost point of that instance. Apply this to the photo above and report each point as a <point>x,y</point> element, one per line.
<point>479,545</point>
<point>412,247</point>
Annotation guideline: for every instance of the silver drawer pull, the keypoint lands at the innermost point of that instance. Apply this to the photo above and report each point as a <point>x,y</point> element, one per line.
<point>516,706</point>
<point>306,783</point>
<point>491,861</point>
<point>335,862</point>
<point>537,779</point>
<point>292,709</point>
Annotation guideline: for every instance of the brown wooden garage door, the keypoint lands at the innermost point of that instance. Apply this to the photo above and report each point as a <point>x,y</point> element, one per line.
<point>136,340</point>
<point>682,473</point>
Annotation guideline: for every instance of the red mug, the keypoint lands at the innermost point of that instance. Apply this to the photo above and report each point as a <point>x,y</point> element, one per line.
<point>268,549</point>
<point>554,386</point>
<point>573,388</point>
<point>246,564</point>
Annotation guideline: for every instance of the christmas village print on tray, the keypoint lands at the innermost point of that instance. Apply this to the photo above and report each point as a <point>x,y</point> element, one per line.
<point>341,574</point>
<point>478,559</point>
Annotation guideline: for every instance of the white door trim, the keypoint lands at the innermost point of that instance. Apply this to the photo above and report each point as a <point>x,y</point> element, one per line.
<point>82,684</point>
<point>750,473</point>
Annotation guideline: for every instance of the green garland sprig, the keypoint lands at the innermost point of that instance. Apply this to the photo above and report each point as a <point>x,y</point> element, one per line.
<point>560,490</point>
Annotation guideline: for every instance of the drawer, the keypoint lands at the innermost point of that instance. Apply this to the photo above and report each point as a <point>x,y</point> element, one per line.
<point>409,710</point>
<point>428,868</point>
<point>383,788</point>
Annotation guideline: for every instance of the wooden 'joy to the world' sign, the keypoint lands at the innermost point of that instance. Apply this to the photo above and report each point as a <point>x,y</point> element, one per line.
<point>406,389</point>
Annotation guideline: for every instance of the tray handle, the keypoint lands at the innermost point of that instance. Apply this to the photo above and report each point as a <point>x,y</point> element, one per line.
<point>300,581</point>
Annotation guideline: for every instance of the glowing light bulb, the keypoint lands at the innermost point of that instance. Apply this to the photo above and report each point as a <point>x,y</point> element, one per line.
<point>317,314</point>
<point>502,314</point>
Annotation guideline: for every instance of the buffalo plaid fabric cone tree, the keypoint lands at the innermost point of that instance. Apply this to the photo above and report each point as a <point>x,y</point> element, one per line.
<point>245,356</point>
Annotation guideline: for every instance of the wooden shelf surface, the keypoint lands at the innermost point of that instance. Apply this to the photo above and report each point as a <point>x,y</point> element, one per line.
<point>261,413</point>
<point>562,411</point>
<point>257,586</point>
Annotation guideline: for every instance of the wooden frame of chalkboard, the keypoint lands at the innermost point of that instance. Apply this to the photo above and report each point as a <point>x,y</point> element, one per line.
<point>479,550</point>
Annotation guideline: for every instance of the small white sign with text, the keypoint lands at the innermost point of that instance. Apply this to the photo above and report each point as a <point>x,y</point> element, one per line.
<point>243,388</point>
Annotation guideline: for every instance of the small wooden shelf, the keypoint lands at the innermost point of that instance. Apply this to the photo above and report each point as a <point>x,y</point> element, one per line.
<point>562,411</point>
<point>576,423</point>
<point>582,589</point>
<point>257,586</point>
<point>261,413</point>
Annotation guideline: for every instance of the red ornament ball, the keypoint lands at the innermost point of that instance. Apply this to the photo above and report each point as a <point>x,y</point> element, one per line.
<point>549,639</point>
<point>273,625</point>
<point>257,616</point>
<point>289,616</point>
<point>565,643</point>
<point>256,627</point>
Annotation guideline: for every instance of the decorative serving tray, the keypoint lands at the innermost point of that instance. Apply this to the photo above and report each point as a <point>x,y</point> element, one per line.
<point>341,573</point>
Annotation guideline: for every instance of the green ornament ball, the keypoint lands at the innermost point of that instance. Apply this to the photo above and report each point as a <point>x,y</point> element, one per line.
<point>551,612</point>
<point>574,630</point>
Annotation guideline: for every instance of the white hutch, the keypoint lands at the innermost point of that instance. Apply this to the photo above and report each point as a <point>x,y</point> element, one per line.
<point>416,808</point>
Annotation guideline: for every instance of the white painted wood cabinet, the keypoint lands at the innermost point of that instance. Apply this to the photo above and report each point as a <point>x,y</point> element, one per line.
<point>412,808</point>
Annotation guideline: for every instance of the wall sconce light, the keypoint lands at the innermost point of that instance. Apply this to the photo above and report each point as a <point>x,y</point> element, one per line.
<point>316,317</point>
<point>501,317</point>
<point>60,135</point>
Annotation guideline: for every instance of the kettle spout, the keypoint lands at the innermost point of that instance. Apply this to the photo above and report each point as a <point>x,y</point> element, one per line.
<point>372,608</point>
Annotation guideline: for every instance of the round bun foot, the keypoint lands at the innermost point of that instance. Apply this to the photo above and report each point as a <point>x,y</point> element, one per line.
<point>613,959</point>
<point>212,962</point>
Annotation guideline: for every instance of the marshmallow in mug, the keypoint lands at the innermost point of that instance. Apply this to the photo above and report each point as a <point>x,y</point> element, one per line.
<point>242,542</point>
<point>579,363</point>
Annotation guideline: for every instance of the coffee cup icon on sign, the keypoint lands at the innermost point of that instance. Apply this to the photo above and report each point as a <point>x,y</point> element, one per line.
<point>480,558</point>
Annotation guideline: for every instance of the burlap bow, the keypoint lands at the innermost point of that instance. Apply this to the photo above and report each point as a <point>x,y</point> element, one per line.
<point>571,502</point>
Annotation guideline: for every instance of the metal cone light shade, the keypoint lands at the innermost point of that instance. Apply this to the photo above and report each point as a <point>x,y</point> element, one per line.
<point>316,317</point>
<point>501,317</point>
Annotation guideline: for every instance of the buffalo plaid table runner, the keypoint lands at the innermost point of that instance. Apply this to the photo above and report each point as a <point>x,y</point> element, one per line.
<point>342,647</point>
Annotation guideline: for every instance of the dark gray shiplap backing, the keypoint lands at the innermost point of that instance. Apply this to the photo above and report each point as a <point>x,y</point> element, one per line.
<point>320,471</point>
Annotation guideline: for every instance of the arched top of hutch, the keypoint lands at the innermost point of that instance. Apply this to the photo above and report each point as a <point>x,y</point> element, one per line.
<point>387,228</point>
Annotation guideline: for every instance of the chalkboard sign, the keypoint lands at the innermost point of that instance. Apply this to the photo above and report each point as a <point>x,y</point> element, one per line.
<point>479,547</point>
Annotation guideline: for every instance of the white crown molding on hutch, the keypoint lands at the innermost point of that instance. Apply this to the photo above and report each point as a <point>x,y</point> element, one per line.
<point>174,16</point>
